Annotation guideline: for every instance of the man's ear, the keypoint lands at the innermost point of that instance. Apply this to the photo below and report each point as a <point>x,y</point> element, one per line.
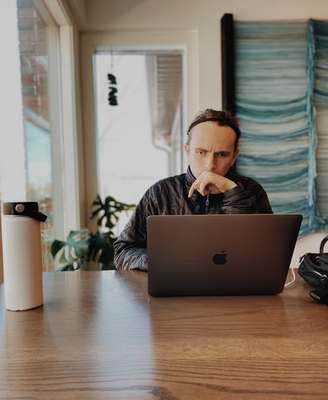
<point>235,155</point>
<point>187,148</point>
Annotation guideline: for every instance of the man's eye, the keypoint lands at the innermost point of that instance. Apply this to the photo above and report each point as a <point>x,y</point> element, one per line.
<point>200,152</point>
<point>220,155</point>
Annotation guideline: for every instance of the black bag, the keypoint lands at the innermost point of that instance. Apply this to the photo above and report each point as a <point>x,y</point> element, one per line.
<point>314,270</point>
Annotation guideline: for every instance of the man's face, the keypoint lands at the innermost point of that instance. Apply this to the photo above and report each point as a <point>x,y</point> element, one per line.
<point>211,148</point>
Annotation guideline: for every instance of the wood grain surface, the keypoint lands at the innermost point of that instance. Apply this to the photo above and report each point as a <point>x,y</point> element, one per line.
<point>100,336</point>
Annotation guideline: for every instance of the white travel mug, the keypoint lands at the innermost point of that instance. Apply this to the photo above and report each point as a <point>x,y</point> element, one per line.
<point>22,256</point>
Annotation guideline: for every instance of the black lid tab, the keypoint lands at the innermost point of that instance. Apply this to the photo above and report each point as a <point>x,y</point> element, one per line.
<point>24,208</point>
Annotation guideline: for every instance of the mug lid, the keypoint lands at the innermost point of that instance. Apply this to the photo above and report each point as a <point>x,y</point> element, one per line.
<point>24,208</point>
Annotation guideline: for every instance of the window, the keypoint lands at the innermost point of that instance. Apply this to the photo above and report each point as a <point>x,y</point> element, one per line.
<point>182,51</point>
<point>139,121</point>
<point>34,66</point>
<point>39,140</point>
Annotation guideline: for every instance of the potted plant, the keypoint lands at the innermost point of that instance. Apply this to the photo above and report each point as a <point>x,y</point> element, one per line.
<point>83,247</point>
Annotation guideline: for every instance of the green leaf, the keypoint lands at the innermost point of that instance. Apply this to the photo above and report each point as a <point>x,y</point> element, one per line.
<point>102,249</point>
<point>56,246</point>
<point>65,267</point>
<point>82,246</point>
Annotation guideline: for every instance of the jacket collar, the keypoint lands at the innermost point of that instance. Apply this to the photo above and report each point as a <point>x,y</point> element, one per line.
<point>190,177</point>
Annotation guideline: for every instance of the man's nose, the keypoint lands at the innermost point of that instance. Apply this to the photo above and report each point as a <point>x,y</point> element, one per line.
<point>210,162</point>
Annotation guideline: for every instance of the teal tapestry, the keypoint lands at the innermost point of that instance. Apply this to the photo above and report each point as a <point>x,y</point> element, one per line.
<point>281,81</point>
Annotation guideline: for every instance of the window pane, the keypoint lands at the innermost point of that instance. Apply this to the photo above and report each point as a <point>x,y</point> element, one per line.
<point>139,119</point>
<point>34,72</point>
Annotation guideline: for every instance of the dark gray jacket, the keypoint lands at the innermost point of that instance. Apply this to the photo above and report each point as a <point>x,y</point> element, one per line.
<point>170,197</point>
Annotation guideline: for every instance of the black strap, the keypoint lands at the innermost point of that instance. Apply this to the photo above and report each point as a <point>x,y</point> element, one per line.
<point>26,209</point>
<point>322,244</point>
<point>313,269</point>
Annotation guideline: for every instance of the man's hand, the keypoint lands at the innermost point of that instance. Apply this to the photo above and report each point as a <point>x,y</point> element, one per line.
<point>208,182</point>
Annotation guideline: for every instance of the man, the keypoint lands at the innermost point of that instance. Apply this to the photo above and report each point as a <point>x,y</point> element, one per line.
<point>208,187</point>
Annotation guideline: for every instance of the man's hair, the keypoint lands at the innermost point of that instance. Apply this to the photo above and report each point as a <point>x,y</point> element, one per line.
<point>222,118</point>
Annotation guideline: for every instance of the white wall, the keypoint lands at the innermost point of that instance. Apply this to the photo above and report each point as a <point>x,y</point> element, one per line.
<point>204,17</point>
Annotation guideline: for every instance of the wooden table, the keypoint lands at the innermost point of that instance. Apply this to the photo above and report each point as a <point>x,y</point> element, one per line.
<point>99,336</point>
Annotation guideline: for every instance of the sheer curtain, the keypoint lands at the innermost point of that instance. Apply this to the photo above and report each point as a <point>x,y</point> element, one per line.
<point>164,74</point>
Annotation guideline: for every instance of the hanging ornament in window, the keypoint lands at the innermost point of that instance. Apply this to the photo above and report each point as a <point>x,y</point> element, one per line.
<point>112,92</point>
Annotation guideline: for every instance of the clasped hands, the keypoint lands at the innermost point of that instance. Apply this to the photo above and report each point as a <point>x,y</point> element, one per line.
<point>209,182</point>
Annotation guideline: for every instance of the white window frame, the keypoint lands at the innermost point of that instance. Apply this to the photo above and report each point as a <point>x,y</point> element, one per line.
<point>186,41</point>
<point>64,117</point>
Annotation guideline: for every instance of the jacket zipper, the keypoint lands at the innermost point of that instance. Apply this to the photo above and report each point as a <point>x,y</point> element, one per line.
<point>207,203</point>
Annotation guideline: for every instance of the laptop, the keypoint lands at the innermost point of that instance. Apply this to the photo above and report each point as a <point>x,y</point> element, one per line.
<point>211,255</point>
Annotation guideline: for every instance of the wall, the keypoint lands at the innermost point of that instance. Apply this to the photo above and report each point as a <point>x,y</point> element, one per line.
<point>203,16</point>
